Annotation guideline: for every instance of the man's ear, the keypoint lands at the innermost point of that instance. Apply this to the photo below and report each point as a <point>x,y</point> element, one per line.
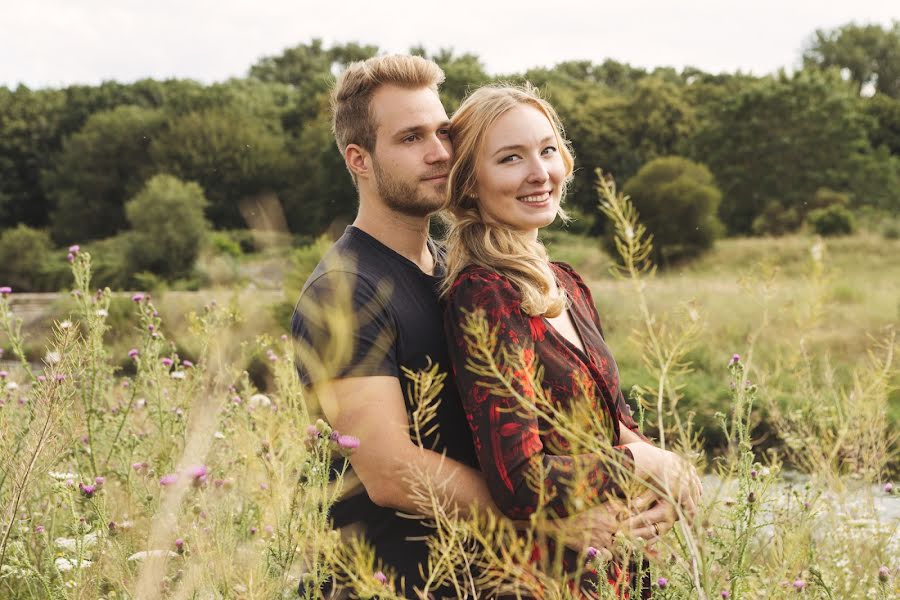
<point>358,160</point>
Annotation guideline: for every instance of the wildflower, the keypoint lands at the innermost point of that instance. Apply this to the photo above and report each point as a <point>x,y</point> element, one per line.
<point>139,466</point>
<point>70,257</point>
<point>884,573</point>
<point>133,353</point>
<point>40,529</point>
<point>662,582</point>
<point>3,374</point>
<point>137,297</point>
<point>380,577</point>
<point>284,337</point>
<point>87,490</point>
<point>219,435</point>
<point>67,564</point>
<point>271,356</point>
<point>74,249</point>
<point>149,554</point>
<point>12,386</point>
<point>60,377</point>
<point>179,545</point>
<point>41,378</point>
<point>751,498</point>
<point>888,487</point>
<point>62,476</point>
<point>253,531</point>
<point>178,375</point>
<point>5,291</point>
<point>198,474</point>
<point>334,436</point>
<point>725,594</point>
<point>348,442</point>
<point>103,313</point>
<point>168,479</point>
<point>187,364</point>
<point>735,359</point>
<point>65,324</point>
<point>260,400</point>
<point>753,474</point>
<point>99,480</point>
<point>592,553</point>
<point>312,432</point>
<point>167,362</point>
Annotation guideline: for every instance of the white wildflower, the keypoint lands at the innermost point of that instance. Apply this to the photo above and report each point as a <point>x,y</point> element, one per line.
<point>12,386</point>
<point>257,400</point>
<point>151,554</point>
<point>178,375</point>
<point>53,357</point>
<point>62,476</point>
<point>102,313</point>
<point>65,324</point>
<point>72,544</point>
<point>67,564</point>
<point>219,435</point>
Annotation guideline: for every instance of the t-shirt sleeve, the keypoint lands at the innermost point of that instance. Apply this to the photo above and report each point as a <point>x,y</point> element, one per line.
<point>343,327</point>
<point>515,463</point>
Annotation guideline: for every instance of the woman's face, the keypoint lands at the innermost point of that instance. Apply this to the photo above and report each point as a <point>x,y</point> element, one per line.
<point>520,171</point>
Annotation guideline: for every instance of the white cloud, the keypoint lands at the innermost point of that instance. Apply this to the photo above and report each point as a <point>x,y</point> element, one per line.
<point>57,42</point>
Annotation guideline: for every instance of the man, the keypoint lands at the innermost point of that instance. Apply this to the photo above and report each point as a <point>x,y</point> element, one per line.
<point>393,133</point>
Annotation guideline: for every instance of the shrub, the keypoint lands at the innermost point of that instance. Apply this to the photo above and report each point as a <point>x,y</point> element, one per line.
<point>23,254</point>
<point>677,200</point>
<point>776,220</point>
<point>168,223</point>
<point>833,220</point>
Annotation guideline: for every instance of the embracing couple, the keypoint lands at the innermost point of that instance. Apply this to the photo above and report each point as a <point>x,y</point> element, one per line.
<point>497,171</point>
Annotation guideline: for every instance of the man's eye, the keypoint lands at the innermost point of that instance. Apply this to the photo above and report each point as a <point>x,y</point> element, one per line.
<point>443,132</point>
<point>410,138</point>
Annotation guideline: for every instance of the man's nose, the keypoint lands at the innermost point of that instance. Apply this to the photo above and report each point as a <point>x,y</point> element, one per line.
<point>440,151</point>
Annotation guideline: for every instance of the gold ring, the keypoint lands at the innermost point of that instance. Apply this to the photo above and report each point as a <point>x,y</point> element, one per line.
<point>656,529</point>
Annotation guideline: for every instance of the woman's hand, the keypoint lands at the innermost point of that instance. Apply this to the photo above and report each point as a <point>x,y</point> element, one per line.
<point>673,478</point>
<point>598,526</point>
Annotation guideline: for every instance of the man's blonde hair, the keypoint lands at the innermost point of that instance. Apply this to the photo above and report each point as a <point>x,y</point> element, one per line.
<point>352,121</point>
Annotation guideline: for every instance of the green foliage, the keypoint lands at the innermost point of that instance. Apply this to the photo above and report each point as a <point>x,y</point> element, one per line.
<point>303,261</point>
<point>168,226</point>
<point>232,157</point>
<point>833,220</point>
<point>224,243</point>
<point>776,220</point>
<point>870,53</point>
<point>99,168</point>
<point>23,253</point>
<point>677,201</point>
<point>782,137</point>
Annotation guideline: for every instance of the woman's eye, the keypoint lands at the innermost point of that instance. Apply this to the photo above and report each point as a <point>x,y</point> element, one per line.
<point>549,150</point>
<point>509,158</point>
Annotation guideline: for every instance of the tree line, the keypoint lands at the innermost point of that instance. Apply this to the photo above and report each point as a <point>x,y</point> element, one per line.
<point>770,149</point>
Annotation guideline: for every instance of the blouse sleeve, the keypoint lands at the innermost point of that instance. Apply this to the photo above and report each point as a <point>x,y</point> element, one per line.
<point>507,440</point>
<point>623,410</point>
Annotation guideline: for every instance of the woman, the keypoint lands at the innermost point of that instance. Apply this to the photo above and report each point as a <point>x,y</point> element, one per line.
<point>509,178</point>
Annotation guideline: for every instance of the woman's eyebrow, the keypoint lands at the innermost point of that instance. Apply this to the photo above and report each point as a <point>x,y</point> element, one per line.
<point>547,139</point>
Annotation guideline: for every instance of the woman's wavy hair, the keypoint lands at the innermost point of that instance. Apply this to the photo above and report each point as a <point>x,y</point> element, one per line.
<point>472,241</point>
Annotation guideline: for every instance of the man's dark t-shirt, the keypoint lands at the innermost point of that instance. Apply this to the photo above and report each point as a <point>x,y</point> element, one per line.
<point>398,323</point>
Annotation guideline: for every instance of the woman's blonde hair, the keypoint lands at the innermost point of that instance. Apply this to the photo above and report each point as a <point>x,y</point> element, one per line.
<point>472,241</point>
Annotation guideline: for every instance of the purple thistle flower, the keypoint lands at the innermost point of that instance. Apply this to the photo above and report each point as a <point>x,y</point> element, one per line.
<point>662,582</point>
<point>198,473</point>
<point>99,480</point>
<point>888,487</point>
<point>3,374</point>
<point>179,545</point>
<point>335,436</point>
<point>87,490</point>
<point>380,577</point>
<point>41,378</point>
<point>725,594</point>
<point>253,531</point>
<point>139,466</point>
<point>74,249</point>
<point>592,553</point>
<point>70,257</point>
<point>60,378</point>
<point>168,479</point>
<point>348,442</point>
<point>187,364</point>
<point>883,573</point>
<point>312,432</point>
<point>133,353</point>
<point>167,362</point>
<point>735,359</point>
<point>5,291</point>
<point>799,584</point>
<point>137,297</point>
<point>40,529</point>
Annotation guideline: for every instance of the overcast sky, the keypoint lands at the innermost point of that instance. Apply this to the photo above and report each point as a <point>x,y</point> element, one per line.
<point>60,42</point>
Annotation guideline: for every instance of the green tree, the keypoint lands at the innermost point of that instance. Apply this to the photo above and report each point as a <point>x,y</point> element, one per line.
<point>781,137</point>
<point>463,74</point>
<point>23,254</point>
<point>232,155</point>
<point>99,168</point>
<point>870,53</point>
<point>168,225</point>
<point>677,201</point>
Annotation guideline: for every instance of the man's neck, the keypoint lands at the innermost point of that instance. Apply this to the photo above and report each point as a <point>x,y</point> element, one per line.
<point>405,235</point>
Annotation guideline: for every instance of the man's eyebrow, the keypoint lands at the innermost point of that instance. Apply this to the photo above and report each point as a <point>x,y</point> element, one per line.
<point>546,140</point>
<point>420,128</point>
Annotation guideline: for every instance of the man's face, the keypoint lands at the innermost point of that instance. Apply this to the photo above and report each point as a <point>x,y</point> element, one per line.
<point>413,151</point>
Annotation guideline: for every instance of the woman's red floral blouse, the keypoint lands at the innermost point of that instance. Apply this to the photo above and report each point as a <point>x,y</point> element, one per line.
<point>515,448</point>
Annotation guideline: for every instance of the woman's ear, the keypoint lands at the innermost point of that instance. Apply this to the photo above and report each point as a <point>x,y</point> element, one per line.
<point>358,160</point>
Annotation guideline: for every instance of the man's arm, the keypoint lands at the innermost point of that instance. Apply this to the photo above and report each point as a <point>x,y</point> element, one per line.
<point>372,409</point>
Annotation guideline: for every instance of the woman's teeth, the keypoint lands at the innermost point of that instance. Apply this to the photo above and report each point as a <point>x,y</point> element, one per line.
<point>536,198</point>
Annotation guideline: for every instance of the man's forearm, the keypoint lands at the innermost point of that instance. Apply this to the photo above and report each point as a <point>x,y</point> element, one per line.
<point>453,483</point>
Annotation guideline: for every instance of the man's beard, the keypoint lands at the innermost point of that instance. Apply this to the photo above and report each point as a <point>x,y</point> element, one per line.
<point>403,196</point>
